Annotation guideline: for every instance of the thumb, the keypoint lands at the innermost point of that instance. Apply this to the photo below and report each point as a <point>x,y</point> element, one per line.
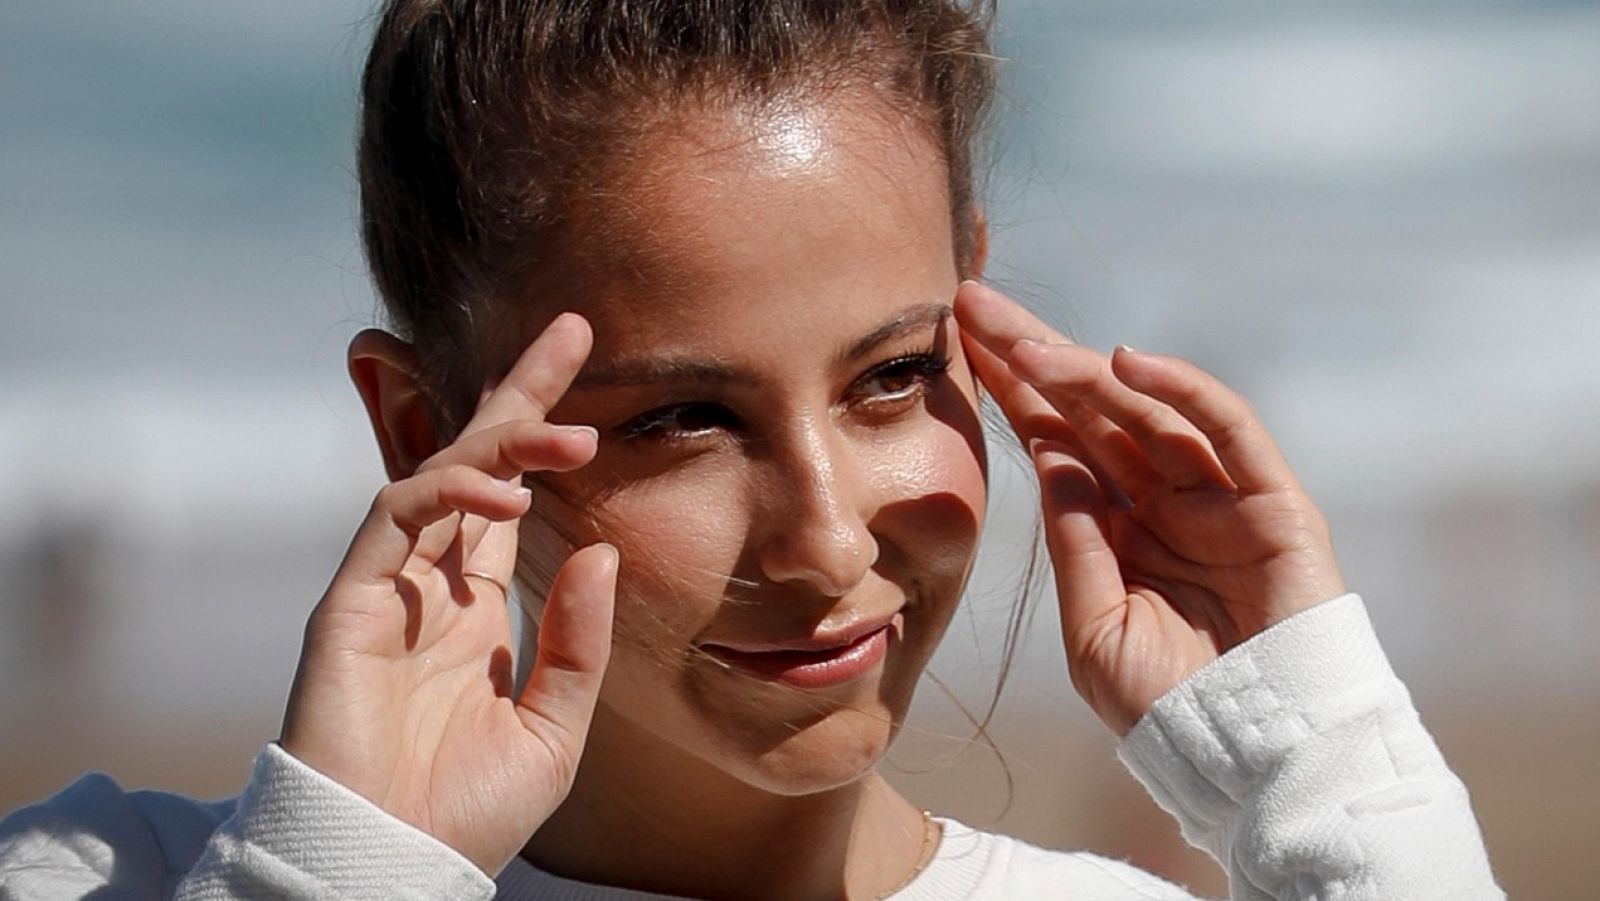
<point>574,646</point>
<point>1089,584</point>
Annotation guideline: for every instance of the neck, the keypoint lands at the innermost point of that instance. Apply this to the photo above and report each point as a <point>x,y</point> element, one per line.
<point>661,820</point>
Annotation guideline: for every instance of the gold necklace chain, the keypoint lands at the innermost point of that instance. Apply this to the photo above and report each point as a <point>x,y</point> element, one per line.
<point>930,834</point>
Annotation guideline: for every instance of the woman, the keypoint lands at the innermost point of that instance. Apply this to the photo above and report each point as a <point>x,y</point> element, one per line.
<point>688,347</point>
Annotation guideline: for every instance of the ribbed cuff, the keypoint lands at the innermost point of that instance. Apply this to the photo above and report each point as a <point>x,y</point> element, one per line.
<point>1207,744</point>
<point>298,834</point>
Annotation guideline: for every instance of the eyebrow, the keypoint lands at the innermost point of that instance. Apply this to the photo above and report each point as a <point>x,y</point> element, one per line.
<point>912,320</point>
<point>625,373</point>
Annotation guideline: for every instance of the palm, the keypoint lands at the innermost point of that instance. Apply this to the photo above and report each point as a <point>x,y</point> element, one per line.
<point>1203,570</point>
<point>1175,527</point>
<point>404,692</point>
<point>431,700</point>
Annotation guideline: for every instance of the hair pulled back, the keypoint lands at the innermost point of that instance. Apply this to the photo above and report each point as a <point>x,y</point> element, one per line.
<point>486,122</point>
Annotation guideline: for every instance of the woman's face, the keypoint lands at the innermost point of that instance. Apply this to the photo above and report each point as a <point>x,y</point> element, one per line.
<point>790,460</point>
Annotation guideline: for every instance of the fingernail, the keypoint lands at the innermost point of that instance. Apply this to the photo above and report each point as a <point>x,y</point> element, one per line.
<point>1046,451</point>
<point>610,550</point>
<point>1126,348</point>
<point>977,289</point>
<point>589,430</point>
<point>1050,456</point>
<point>515,488</point>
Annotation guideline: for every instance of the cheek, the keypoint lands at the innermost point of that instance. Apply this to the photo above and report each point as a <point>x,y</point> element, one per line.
<point>934,488</point>
<point>679,539</point>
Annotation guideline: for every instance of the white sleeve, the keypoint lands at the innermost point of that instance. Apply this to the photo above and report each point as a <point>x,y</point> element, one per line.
<point>1299,763</point>
<point>87,838</point>
<point>294,834</point>
<point>298,834</point>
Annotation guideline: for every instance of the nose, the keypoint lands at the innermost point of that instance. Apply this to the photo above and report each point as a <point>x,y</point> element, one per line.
<point>813,504</point>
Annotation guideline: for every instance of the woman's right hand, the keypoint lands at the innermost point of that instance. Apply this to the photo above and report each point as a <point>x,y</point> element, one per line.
<point>403,692</point>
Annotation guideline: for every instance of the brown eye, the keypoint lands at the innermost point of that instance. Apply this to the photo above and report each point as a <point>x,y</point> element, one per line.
<point>899,378</point>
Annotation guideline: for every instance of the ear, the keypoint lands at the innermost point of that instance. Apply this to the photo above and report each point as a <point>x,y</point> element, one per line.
<point>384,369</point>
<point>980,242</point>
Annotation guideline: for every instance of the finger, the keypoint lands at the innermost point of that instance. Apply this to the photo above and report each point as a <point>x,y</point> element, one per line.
<point>1030,415</point>
<point>1241,444</point>
<point>574,647</point>
<point>1105,447</point>
<point>403,510</point>
<point>1035,419</point>
<point>994,324</point>
<point>1089,584</point>
<point>509,449</point>
<point>1066,373</point>
<point>540,376</point>
<point>997,322</point>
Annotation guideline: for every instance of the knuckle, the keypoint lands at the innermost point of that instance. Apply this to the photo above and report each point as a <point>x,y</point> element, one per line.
<point>457,476</point>
<point>561,660</point>
<point>1242,409</point>
<point>1239,423</point>
<point>456,471</point>
<point>525,433</point>
<point>1149,421</point>
<point>1191,390</point>
<point>506,433</point>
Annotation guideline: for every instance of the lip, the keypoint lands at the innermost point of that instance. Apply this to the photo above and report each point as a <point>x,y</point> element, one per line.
<point>818,661</point>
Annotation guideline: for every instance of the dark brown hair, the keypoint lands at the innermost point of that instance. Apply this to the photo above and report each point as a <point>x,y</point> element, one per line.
<point>485,123</point>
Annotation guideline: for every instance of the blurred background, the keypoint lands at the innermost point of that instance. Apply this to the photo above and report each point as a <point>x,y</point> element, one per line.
<point>1379,220</point>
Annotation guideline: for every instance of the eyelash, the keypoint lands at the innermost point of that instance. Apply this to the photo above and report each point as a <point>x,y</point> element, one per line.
<point>655,426</point>
<point>922,368</point>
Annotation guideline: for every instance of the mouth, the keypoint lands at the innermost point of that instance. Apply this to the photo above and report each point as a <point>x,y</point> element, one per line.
<point>821,661</point>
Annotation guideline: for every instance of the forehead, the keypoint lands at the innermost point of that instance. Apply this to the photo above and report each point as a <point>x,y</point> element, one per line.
<point>729,229</point>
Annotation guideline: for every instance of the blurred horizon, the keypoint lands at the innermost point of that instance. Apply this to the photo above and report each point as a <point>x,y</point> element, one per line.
<point>1378,221</point>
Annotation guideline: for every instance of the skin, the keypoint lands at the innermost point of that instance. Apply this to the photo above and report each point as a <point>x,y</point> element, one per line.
<point>812,490</point>
<point>815,490</point>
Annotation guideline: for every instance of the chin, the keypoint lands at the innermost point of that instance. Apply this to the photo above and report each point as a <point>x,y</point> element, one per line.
<point>791,743</point>
<point>828,753</point>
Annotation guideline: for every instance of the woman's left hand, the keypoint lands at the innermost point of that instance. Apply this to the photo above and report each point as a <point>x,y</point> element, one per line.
<point>1175,526</point>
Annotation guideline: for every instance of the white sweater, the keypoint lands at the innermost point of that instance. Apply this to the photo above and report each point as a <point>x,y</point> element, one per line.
<point>1296,760</point>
